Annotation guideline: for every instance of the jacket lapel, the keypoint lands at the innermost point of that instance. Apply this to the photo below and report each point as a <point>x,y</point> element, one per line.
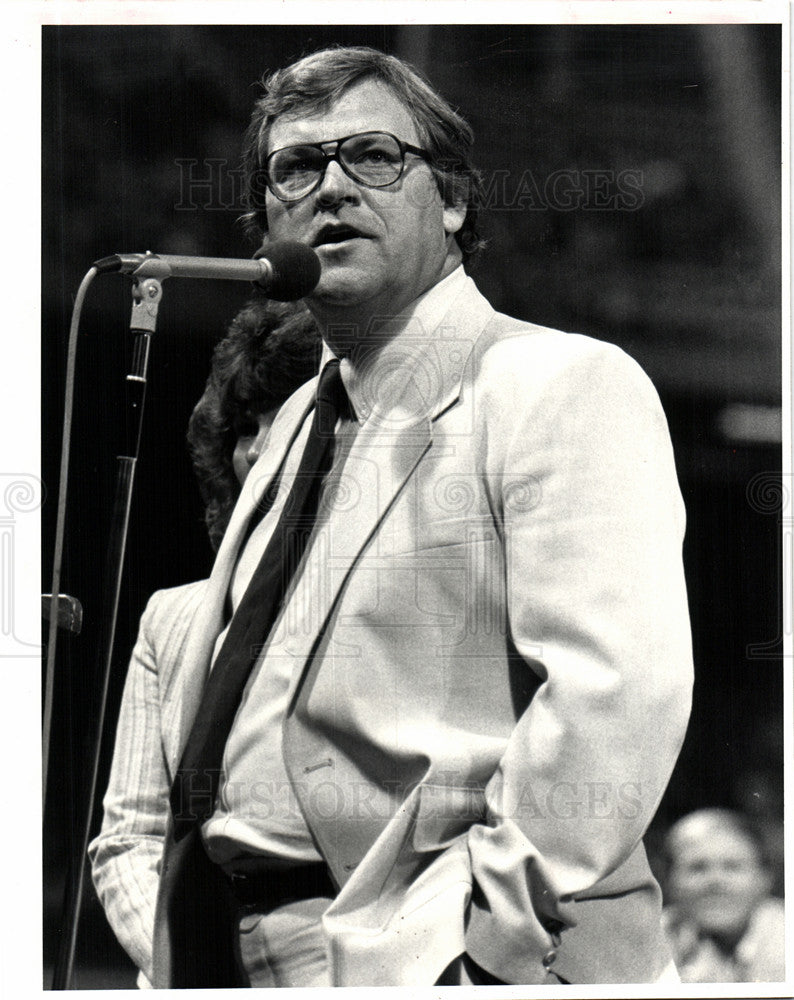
<point>210,623</point>
<point>376,472</point>
<point>395,436</point>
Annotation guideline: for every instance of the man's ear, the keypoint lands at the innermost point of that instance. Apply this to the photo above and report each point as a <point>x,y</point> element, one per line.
<point>454,216</point>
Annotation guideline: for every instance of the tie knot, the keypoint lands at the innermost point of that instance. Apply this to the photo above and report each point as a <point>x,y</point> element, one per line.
<point>331,397</point>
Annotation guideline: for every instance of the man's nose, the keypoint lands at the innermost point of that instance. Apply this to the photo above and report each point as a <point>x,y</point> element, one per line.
<point>336,186</point>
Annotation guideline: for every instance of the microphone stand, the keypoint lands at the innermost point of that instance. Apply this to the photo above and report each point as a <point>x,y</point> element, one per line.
<point>146,295</point>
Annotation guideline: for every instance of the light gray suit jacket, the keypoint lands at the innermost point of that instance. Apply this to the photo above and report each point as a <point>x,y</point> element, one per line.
<point>491,660</point>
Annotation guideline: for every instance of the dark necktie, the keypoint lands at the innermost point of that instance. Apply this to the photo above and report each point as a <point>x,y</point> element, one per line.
<point>195,786</point>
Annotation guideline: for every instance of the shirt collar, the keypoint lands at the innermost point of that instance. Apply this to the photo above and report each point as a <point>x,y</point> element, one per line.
<point>378,381</point>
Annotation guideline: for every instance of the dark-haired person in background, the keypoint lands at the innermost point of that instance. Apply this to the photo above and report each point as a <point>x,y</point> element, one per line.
<point>441,756</point>
<point>722,922</point>
<point>269,350</point>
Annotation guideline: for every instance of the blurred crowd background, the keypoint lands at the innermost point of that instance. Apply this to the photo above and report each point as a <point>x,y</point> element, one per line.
<point>634,194</point>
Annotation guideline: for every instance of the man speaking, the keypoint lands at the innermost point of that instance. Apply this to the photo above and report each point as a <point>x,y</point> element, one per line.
<point>443,667</point>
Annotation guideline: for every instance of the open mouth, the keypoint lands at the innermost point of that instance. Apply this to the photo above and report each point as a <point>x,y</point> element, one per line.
<point>331,235</point>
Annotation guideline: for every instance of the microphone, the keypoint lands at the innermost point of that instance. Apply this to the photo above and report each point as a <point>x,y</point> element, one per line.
<point>285,270</point>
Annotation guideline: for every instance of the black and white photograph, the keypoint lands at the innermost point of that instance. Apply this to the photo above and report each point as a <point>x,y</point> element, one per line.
<point>414,499</point>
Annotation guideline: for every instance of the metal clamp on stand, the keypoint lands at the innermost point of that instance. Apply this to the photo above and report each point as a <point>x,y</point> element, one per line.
<point>146,297</point>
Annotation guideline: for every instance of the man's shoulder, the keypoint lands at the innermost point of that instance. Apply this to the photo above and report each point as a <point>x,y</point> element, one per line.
<point>507,336</point>
<point>513,351</point>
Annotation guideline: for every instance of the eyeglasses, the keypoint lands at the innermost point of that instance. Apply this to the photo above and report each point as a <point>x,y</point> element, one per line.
<point>374,159</point>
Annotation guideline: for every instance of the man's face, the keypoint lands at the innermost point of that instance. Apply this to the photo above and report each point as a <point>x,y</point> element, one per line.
<point>379,248</point>
<point>717,879</point>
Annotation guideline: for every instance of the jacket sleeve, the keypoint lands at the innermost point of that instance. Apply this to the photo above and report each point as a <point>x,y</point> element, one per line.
<point>584,486</point>
<point>125,856</point>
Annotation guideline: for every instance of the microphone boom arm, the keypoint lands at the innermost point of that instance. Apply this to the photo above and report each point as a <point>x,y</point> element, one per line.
<point>162,266</point>
<point>286,270</point>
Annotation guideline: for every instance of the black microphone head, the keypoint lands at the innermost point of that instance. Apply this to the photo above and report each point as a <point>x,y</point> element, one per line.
<point>296,270</point>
